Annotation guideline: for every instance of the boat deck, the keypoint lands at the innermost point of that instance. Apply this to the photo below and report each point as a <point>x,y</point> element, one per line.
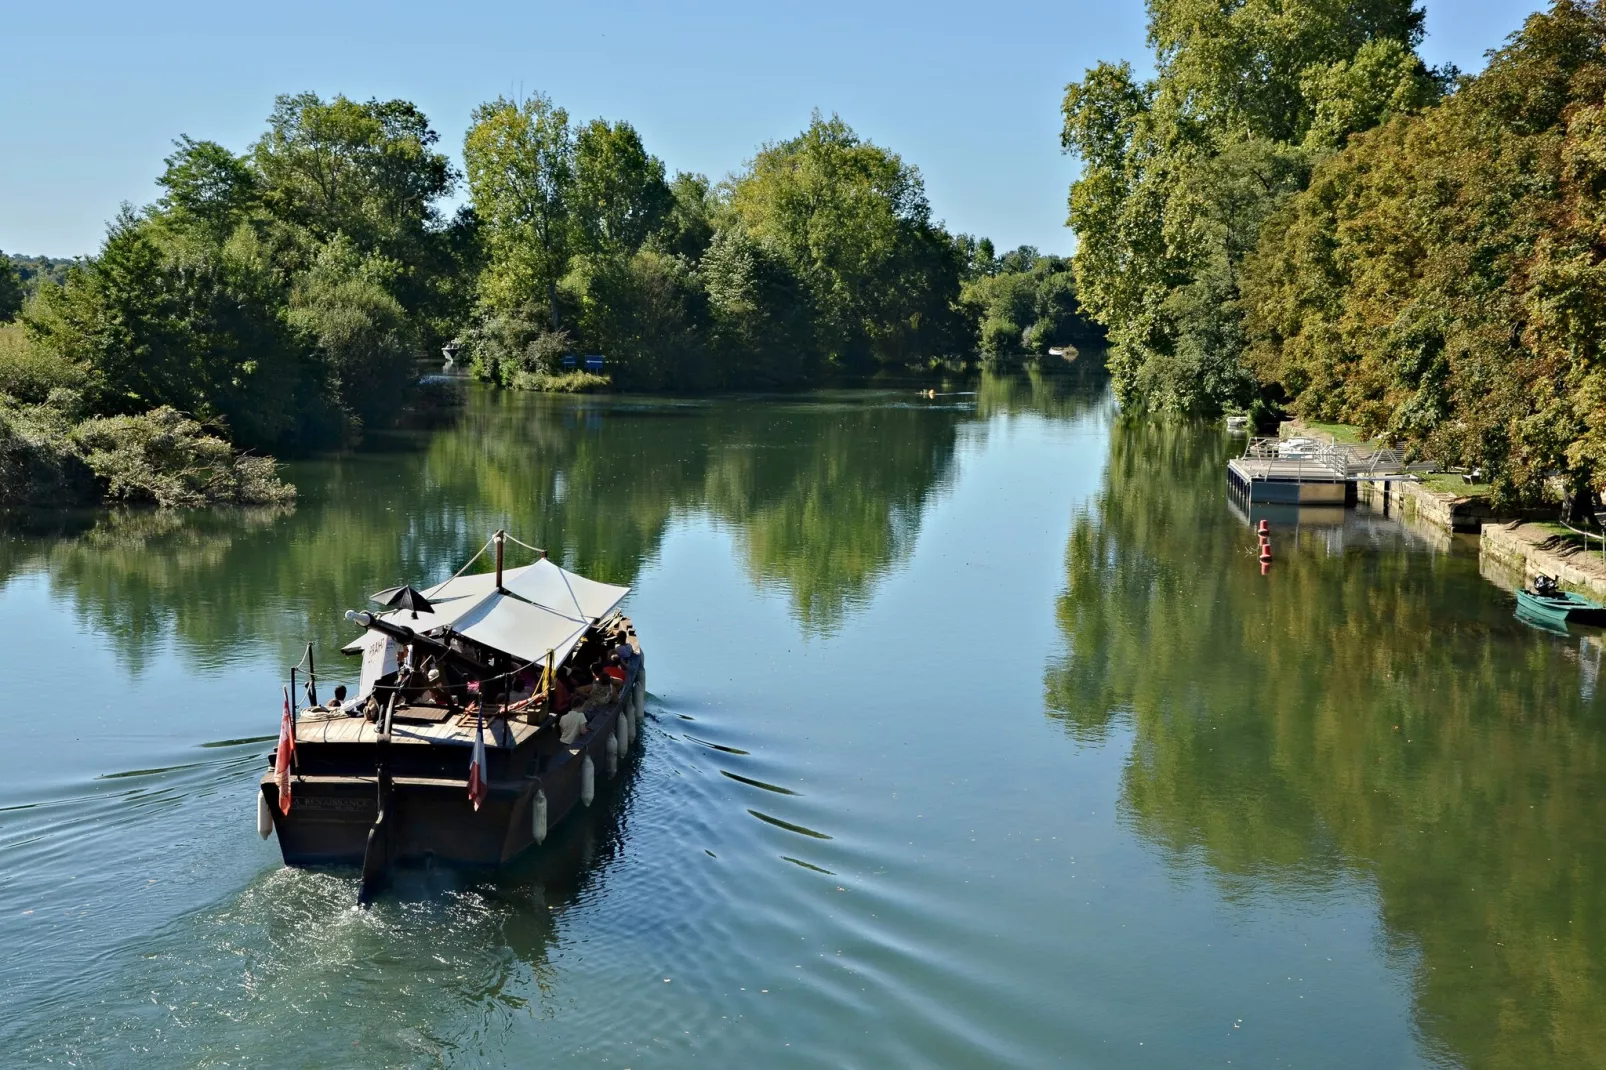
<point>425,724</point>
<point>316,727</point>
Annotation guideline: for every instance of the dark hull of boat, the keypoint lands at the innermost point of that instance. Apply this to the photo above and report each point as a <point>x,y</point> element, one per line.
<point>334,816</point>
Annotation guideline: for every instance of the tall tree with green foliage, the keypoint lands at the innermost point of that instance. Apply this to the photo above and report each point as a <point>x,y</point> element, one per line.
<point>10,290</point>
<point>1181,172</point>
<point>519,157</point>
<point>1441,280</point>
<point>209,188</point>
<point>201,333</point>
<point>762,331</point>
<point>367,170</point>
<point>619,196</point>
<point>852,220</point>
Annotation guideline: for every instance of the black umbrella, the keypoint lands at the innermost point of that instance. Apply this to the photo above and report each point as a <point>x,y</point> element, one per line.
<point>403,597</point>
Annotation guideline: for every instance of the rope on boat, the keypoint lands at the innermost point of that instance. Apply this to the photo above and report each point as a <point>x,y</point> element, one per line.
<point>520,542</point>
<point>469,562</point>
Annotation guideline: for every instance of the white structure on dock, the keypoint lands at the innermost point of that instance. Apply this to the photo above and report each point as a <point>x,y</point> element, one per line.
<point>1304,471</point>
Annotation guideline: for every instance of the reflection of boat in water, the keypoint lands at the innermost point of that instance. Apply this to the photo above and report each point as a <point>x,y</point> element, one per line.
<point>452,749</point>
<point>1546,601</point>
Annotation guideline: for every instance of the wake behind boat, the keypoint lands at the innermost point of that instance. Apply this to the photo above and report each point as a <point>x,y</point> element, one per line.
<point>486,708</point>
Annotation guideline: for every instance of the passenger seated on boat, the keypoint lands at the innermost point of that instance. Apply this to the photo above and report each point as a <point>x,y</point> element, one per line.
<point>562,691</point>
<point>615,669</point>
<point>602,690</point>
<point>436,693</point>
<point>624,651</point>
<point>338,703</point>
<point>571,725</point>
<point>523,685</point>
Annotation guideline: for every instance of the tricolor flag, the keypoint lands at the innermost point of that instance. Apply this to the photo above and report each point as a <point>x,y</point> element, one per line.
<point>477,789</point>
<point>287,750</point>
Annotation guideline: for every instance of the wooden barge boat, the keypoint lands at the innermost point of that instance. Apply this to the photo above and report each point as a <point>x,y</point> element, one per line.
<point>455,748</point>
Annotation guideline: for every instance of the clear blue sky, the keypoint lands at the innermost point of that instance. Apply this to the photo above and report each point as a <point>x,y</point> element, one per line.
<point>969,92</point>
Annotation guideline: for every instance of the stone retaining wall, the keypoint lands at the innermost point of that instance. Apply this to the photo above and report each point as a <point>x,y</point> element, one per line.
<point>1405,500</point>
<point>1519,548</point>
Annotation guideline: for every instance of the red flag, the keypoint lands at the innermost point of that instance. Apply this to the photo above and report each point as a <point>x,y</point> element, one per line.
<point>477,788</point>
<point>287,750</point>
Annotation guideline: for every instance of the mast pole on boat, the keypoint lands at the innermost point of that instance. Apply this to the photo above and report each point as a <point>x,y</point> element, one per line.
<point>312,677</point>
<point>498,539</point>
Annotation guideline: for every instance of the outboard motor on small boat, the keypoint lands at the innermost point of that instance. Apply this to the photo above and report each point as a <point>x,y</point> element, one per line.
<point>1545,586</point>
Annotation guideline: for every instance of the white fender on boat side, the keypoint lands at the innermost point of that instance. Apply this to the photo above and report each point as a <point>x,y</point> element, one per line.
<point>641,698</point>
<point>588,781</point>
<point>264,815</point>
<point>538,815</point>
<point>613,753</point>
<point>622,730</point>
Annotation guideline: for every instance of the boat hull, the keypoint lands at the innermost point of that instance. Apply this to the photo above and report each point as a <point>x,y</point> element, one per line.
<point>1561,608</point>
<point>334,816</point>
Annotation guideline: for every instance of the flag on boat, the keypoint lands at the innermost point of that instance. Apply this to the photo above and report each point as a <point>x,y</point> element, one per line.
<point>287,750</point>
<point>477,789</point>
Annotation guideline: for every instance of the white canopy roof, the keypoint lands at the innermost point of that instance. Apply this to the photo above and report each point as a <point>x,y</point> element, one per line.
<point>545,608</point>
<point>503,622</point>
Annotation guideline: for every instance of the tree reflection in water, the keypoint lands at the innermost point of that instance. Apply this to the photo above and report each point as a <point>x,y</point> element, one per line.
<point>1375,714</point>
<point>824,493</point>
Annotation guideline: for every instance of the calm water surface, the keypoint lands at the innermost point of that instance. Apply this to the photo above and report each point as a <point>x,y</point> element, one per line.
<point>975,738</point>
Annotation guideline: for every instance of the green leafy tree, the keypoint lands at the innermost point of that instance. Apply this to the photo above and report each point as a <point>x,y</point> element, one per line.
<point>202,335</point>
<point>619,196</point>
<point>363,335</point>
<point>208,187</point>
<point>688,225</point>
<point>519,157</point>
<point>10,290</point>
<point>851,218</point>
<point>762,331</point>
<point>366,170</point>
<point>1441,279</point>
<point>647,313</point>
<point>1181,172</point>
<point>1027,306</point>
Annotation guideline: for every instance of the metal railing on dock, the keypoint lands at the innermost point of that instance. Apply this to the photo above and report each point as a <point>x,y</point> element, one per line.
<point>1274,469</point>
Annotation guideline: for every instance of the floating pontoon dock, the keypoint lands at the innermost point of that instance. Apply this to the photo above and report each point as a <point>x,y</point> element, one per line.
<point>1302,471</point>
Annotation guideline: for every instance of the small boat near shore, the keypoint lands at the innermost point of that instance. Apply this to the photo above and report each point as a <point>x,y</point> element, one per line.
<point>1546,601</point>
<point>489,707</point>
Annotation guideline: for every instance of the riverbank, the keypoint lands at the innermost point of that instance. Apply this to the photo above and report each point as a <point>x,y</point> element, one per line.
<point>1535,548</point>
<point>1445,500</point>
<point>1425,503</point>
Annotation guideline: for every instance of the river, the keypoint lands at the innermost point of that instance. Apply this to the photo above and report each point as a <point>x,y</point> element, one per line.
<point>976,738</point>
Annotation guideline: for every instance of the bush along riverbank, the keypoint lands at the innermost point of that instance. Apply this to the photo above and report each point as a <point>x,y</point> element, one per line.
<point>158,458</point>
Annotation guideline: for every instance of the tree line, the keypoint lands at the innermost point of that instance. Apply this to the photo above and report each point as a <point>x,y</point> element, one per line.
<point>819,258</point>
<point>280,299</point>
<point>1296,212</point>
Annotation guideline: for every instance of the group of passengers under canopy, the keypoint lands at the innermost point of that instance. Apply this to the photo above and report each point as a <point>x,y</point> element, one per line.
<point>592,678</point>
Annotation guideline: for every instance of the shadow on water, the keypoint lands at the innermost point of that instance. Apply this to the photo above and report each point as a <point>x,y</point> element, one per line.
<point>1370,713</point>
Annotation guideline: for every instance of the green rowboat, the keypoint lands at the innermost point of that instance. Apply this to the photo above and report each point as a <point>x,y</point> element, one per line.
<point>1548,602</point>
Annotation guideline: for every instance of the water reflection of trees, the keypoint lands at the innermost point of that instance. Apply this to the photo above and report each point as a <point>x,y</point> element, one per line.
<point>824,495</point>
<point>1373,714</point>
